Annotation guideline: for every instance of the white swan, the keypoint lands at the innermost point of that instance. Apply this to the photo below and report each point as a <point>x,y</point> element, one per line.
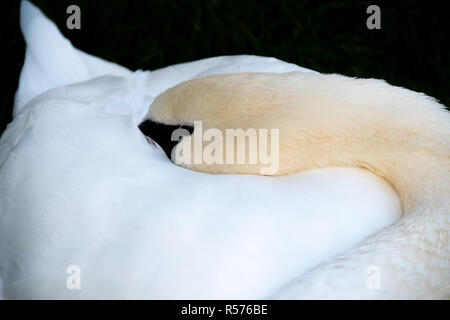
<point>332,120</point>
<point>79,185</point>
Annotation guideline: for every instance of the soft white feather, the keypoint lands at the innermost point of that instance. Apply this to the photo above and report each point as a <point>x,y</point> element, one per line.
<point>80,185</point>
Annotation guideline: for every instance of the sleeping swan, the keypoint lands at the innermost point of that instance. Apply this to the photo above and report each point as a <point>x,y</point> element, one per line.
<point>333,120</point>
<point>81,187</point>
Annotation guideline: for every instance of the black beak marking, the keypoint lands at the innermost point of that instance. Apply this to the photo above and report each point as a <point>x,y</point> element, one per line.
<point>162,133</point>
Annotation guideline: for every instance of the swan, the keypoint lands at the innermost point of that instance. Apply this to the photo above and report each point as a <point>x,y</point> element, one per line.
<point>80,186</point>
<point>333,120</point>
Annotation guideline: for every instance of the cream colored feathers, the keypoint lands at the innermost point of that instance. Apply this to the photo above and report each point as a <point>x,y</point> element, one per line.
<point>333,120</point>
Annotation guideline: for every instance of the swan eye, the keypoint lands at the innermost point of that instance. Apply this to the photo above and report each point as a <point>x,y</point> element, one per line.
<point>162,134</point>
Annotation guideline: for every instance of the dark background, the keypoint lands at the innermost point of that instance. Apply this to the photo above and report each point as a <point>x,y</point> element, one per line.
<point>328,36</point>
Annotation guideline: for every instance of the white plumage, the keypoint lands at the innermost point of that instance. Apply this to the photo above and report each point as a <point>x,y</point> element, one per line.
<point>79,185</point>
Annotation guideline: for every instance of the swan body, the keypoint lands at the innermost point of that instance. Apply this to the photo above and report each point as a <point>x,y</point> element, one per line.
<point>333,120</point>
<point>80,185</point>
